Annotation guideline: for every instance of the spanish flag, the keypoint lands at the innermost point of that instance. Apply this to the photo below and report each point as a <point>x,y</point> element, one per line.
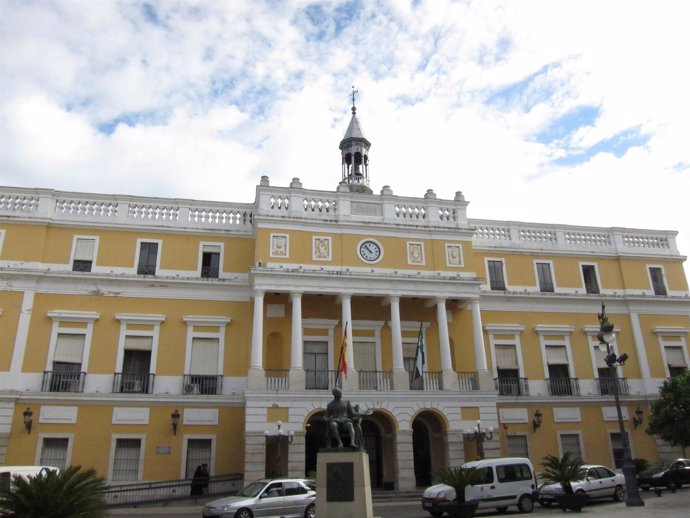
<point>342,361</point>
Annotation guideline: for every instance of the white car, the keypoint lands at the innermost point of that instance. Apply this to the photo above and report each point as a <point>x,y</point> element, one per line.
<point>599,482</point>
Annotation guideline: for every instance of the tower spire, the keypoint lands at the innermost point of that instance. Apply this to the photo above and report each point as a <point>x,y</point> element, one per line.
<point>354,150</point>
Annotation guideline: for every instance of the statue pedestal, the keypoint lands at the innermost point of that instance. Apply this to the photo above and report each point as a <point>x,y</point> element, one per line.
<point>344,488</point>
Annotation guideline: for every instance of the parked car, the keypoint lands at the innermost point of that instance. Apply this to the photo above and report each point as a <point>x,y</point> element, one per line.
<point>671,476</point>
<point>599,482</point>
<point>7,472</point>
<point>268,498</point>
<point>505,482</point>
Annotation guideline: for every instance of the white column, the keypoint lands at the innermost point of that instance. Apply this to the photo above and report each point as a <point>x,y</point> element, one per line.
<point>638,338</point>
<point>446,362</point>
<point>396,334</point>
<point>296,353</point>
<point>255,376</point>
<point>485,381</point>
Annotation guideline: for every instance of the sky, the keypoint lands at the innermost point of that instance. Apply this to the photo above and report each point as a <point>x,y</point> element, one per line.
<point>555,111</point>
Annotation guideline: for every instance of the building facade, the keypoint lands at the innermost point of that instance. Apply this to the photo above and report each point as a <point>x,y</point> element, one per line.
<point>145,336</point>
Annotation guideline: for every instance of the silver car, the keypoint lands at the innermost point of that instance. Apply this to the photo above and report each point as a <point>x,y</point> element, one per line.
<point>599,482</point>
<point>280,497</point>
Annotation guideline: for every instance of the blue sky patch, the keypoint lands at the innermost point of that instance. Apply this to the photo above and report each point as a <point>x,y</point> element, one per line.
<point>131,119</point>
<point>568,123</point>
<point>526,93</point>
<point>618,145</point>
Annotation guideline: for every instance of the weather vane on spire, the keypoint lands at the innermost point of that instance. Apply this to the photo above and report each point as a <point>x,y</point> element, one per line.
<point>354,108</point>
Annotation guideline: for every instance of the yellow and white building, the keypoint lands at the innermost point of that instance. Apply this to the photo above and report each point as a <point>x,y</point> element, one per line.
<point>119,312</point>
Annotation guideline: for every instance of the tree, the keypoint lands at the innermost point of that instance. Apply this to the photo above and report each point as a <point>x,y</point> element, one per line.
<point>670,417</point>
<point>68,493</point>
<point>563,471</point>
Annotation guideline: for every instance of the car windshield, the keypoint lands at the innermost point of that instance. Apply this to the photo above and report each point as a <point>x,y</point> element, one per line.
<point>252,489</point>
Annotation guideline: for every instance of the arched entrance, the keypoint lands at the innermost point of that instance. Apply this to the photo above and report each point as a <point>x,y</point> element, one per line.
<point>428,447</point>
<point>314,440</point>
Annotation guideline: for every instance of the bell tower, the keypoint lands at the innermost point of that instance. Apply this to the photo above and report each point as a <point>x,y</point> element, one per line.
<point>354,150</point>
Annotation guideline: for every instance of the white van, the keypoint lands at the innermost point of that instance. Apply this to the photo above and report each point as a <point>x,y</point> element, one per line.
<point>7,472</point>
<point>506,481</point>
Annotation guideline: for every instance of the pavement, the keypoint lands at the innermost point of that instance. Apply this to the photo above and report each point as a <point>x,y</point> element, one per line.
<point>668,505</point>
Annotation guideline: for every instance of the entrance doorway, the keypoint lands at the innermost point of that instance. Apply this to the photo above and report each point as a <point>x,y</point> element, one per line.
<point>428,446</point>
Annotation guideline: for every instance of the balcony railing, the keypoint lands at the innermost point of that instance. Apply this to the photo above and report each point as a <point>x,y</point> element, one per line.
<point>277,379</point>
<point>57,381</point>
<point>607,386</point>
<point>563,386</point>
<point>126,382</point>
<point>512,386</point>
<point>202,384</point>
<point>374,380</point>
<point>468,381</point>
<point>320,379</point>
<point>429,381</point>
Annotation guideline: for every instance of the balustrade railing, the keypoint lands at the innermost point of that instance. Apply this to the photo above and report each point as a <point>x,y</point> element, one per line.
<point>320,379</point>
<point>374,380</point>
<point>57,381</point>
<point>606,386</point>
<point>468,381</point>
<point>277,379</point>
<point>428,381</point>
<point>512,386</point>
<point>202,384</point>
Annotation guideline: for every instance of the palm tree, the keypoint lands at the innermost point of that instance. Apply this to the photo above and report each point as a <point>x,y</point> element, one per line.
<point>68,493</point>
<point>563,471</point>
<point>459,479</point>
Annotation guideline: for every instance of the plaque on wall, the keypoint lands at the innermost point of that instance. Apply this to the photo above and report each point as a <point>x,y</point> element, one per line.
<point>340,482</point>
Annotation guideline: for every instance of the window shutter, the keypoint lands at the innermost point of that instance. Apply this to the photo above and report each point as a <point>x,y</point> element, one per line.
<point>506,357</point>
<point>126,460</point>
<point>674,357</point>
<point>84,248</point>
<point>556,354</point>
<point>204,356</point>
<point>211,248</point>
<point>600,355</point>
<point>365,356</point>
<point>571,442</point>
<point>69,348</point>
<point>54,452</point>
<point>138,343</point>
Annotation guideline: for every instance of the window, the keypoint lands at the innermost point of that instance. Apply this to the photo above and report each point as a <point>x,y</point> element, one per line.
<point>517,446</point>
<point>210,261</point>
<point>589,275</point>
<point>617,449</point>
<point>54,452</point>
<point>559,372</point>
<point>148,258</point>
<point>656,274</point>
<point>316,364</point>
<point>496,279</point>
<point>513,472</point>
<point>67,363</point>
<point>204,366</point>
<point>136,364</point>
<point>126,460</point>
<point>84,249</point>
<point>544,277</point>
<point>570,442</point>
<point>199,451</point>
<point>675,360</point>
<point>507,370</point>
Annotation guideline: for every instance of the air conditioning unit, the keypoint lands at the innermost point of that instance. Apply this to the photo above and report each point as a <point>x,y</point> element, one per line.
<point>192,388</point>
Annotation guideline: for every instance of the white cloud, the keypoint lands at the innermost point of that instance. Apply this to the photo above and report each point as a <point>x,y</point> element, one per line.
<point>212,95</point>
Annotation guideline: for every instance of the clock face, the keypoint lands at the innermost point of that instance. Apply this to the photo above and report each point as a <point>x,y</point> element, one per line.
<point>370,251</point>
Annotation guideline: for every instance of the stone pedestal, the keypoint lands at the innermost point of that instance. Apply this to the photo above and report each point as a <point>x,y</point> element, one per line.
<point>344,488</point>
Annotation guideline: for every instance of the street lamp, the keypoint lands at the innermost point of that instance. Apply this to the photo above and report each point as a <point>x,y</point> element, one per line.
<point>480,435</point>
<point>606,338</point>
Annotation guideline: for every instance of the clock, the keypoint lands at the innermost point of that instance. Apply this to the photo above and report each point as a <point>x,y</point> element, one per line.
<point>370,251</point>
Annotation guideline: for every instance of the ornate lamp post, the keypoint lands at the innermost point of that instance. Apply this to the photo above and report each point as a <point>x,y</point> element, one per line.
<point>480,435</point>
<point>606,338</point>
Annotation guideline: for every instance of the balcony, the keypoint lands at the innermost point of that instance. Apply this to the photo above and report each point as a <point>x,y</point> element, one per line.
<point>128,383</point>
<point>607,386</point>
<point>468,381</point>
<point>320,379</point>
<point>512,386</point>
<point>202,384</point>
<point>57,381</point>
<point>563,386</point>
<point>375,380</point>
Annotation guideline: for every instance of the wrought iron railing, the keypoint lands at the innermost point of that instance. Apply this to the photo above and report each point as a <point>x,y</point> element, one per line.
<point>320,379</point>
<point>202,384</point>
<point>374,380</point>
<point>512,386</point>
<point>57,381</point>
<point>126,382</point>
<point>563,386</point>
<point>168,490</point>
<point>277,379</point>
<point>468,381</point>
<point>607,386</point>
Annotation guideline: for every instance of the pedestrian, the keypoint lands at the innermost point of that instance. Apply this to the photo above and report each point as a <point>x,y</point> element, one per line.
<point>200,480</point>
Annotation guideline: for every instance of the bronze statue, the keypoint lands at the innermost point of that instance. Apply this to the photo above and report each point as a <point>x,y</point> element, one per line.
<point>340,418</point>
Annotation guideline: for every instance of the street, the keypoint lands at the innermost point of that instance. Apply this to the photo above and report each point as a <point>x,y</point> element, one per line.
<point>670,505</point>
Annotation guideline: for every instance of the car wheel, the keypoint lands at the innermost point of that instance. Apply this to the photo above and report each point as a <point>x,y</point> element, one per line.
<point>525,504</point>
<point>672,486</point>
<point>310,511</point>
<point>618,493</point>
<point>243,513</point>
